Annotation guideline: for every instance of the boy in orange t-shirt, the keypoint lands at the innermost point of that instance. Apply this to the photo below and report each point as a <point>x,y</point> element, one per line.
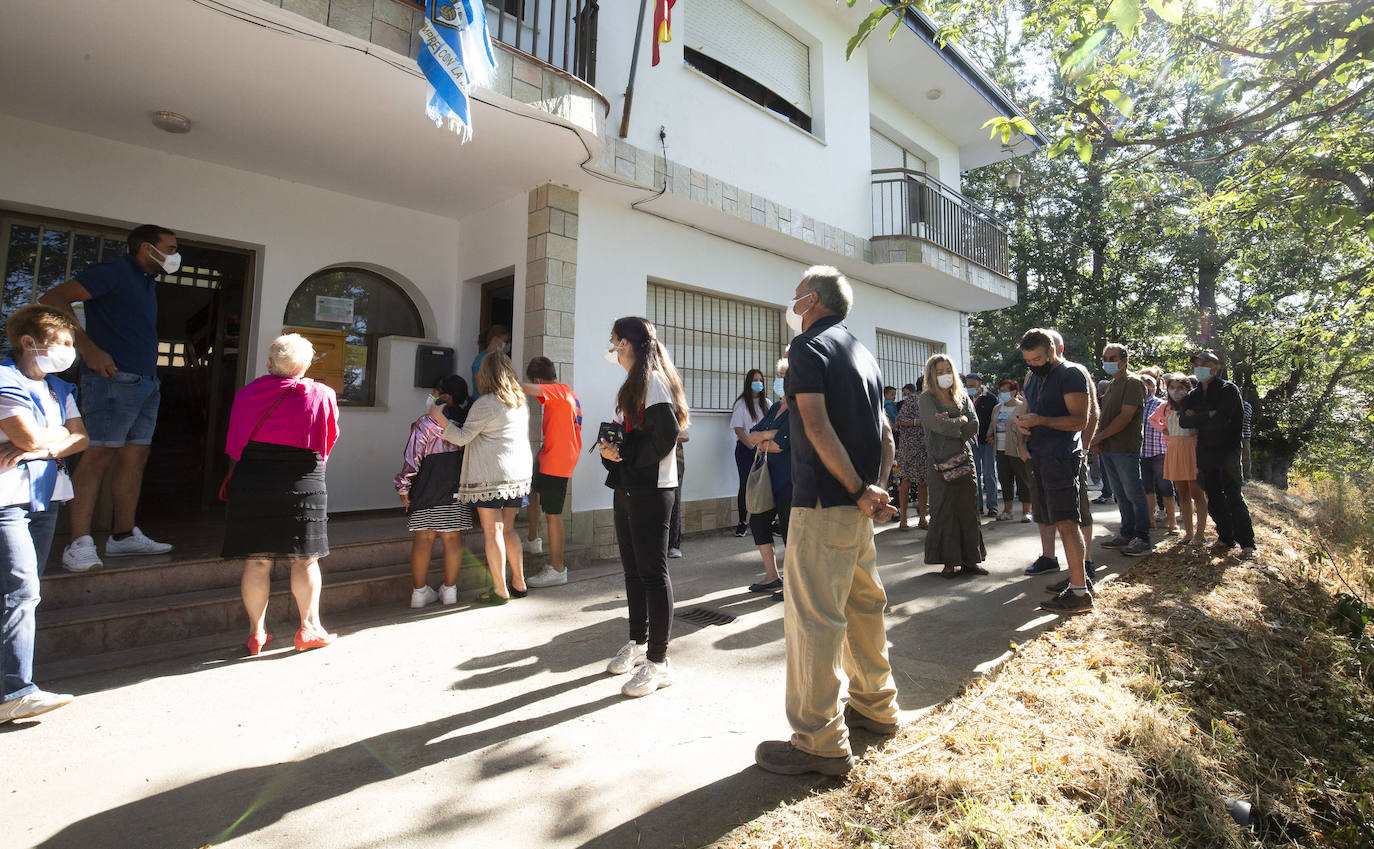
<point>554,465</point>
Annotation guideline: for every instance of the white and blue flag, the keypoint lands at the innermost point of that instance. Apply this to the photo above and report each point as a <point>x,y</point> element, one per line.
<point>455,54</point>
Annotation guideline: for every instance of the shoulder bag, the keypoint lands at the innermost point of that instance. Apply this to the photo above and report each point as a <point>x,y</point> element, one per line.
<point>758,489</point>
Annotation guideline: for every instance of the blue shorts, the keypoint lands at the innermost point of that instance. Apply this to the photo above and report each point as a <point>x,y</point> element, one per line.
<point>119,410</point>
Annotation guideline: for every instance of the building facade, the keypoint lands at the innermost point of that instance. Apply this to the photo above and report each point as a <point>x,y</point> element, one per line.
<point>309,190</point>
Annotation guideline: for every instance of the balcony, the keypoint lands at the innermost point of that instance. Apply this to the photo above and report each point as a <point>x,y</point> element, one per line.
<point>561,33</point>
<point>913,212</point>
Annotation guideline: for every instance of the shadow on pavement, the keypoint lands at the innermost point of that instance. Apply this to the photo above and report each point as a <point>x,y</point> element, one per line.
<point>243,801</point>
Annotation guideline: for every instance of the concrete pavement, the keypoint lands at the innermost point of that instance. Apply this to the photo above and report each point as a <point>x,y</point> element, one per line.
<point>485,727</point>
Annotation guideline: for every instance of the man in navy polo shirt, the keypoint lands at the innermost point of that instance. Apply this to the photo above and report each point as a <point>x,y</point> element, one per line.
<point>833,608</point>
<point>119,387</point>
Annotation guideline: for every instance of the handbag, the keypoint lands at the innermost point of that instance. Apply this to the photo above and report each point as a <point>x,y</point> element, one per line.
<point>955,466</point>
<point>611,433</point>
<point>758,489</point>
<point>229,475</point>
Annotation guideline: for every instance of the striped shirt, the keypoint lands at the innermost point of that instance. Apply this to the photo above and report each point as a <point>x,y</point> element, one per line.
<point>1245,422</point>
<point>1155,443</point>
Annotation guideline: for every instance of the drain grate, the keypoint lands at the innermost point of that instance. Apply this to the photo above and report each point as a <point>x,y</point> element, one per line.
<point>704,616</point>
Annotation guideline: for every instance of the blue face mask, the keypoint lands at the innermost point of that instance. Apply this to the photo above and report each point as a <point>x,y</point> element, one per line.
<point>1202,373</point>
<point>777,386</point>
<point>1111,368</point>
<point>1004,397</point>
<point>756,386</point>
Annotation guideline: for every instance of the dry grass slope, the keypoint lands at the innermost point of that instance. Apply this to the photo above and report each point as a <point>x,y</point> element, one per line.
<point>1198,679</point>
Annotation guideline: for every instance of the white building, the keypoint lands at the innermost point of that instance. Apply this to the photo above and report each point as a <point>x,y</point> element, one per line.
<point>754,149</point>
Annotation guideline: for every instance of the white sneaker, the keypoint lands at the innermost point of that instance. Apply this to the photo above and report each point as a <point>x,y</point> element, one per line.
<point>674,553</point>
<point>135,543</point>
<point>81,555</point>
<point>33,704</point>
<point>424,595</point>
<point>631,654</point>
<point>448,594</point>
<point>532,546</point>
<point>548,577</point>
<point>649,677</point>
<point>1004,516</point>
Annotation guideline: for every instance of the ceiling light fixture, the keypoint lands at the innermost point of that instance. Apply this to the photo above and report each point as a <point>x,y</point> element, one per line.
<point>171,122</point>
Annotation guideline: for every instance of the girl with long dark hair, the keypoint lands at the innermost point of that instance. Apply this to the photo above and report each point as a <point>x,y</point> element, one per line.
<point>749,409</point>
<point>652,407</point>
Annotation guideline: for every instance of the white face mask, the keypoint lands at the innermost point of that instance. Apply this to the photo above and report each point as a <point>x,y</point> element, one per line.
<point>170,262</point>
<point>1178,394</point>
<point>612,355</point>
<point>430,403</point>
<point>945,380</point>
<point>56,358</point>
<point>794,321</point>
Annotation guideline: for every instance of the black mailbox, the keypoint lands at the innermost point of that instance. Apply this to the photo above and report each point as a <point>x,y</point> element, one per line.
<point>431,363</point>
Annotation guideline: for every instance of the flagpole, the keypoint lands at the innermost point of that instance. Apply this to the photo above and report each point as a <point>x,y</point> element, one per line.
<point>634,64</point>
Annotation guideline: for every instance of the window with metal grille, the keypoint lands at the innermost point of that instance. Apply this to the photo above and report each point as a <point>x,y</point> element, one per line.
<point>903,358</point>
<point>714,341</point>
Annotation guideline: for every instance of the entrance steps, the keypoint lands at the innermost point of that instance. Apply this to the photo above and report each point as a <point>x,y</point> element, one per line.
<point>137,609</point>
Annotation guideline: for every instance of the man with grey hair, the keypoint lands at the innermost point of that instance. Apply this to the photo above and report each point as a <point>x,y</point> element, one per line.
<point>833,608</point>
<point>1118,443</point>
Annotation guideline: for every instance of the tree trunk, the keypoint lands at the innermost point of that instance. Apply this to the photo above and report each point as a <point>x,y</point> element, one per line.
<point>1209,265</point>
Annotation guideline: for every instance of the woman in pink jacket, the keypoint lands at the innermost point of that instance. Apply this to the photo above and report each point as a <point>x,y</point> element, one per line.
<point>1180,460</point>
<point>281,429</point>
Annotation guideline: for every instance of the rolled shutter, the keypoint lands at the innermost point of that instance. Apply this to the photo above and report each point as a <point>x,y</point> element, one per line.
<point>733,34</point>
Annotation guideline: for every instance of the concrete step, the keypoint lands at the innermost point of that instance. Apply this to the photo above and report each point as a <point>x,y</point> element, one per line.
<point>165,616</point>
<point>129,578</point>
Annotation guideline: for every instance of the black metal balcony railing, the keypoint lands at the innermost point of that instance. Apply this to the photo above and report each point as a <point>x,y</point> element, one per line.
<point>559,32</point>
<point>910,203</point>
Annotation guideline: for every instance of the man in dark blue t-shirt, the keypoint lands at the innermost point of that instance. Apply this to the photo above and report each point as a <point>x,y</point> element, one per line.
<point>833,598</point>
<point>119,387</point>
<point>1057,412</point>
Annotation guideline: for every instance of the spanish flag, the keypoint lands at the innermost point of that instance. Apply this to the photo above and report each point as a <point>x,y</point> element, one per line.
<point>663,24</point>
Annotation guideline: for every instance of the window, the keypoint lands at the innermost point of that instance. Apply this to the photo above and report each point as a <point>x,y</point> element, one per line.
<point>903,358</point>
<point>37,256</point>
<point>889,154</point>
<point>735,45</point>
<point>714,341</point>
<point>362,307</point>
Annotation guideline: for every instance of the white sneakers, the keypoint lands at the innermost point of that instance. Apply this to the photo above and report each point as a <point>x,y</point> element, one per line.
<point>532,546</point>
<point>674,553</point>
<point>649,677</point>
<point>445,595</point>
<point>81,555</point>
<point>548,577</point>
<point>135,543</point>
<point>631,654</point>
<point>33,704</point>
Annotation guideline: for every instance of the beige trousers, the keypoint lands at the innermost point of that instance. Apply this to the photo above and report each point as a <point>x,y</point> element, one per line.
<point>833,606</point>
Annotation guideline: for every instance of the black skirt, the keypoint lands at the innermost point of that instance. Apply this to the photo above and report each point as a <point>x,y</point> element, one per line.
<point>277,503</point>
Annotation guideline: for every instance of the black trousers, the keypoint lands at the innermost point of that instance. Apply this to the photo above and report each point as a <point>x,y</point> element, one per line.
<point>744,461</point>
<point>675,522</point>
<point>1221,479</point>
<point>641,531</point>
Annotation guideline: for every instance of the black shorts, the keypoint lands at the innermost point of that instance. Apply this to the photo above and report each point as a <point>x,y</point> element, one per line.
<point>552,492</point>
<point>499,503</point>
<point>1059,491</point>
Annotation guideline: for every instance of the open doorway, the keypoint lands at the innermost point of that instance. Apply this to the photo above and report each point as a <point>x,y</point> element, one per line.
<point>498,303</point>
<point>201,317</point>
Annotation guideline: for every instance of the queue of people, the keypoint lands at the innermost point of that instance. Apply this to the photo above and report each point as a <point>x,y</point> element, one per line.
<point>829,443</point>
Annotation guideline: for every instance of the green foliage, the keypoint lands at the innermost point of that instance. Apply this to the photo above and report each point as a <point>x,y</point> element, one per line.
<point>1208,182</point>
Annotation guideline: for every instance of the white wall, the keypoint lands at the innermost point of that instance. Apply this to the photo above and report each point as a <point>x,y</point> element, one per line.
<point>296,230</point>
<point>716,130</point>
<point>904,127</point>
<point>620,250</point>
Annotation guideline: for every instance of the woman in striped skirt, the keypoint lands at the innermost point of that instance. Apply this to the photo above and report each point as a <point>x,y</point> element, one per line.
<point>428,487</point>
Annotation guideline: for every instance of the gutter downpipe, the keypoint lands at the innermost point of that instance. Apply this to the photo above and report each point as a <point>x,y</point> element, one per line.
<point>634,65</point>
